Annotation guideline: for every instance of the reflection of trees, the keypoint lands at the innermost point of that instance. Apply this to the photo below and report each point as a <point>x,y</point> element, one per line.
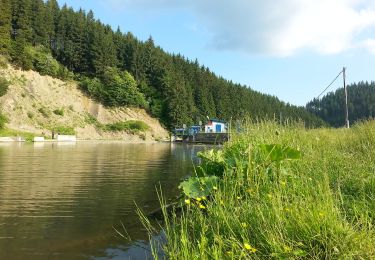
<point>95,185</point>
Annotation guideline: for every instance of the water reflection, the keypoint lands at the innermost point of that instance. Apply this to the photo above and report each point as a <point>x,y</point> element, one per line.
<point>62,202</point>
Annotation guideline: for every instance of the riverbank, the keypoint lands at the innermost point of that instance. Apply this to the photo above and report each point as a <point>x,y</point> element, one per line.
<point>38,105</point>
<point>280,192</point>
<point>29,139</point>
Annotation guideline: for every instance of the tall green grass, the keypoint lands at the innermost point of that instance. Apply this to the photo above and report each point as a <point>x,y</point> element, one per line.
<point>4,132</point>
<point>320,206</point>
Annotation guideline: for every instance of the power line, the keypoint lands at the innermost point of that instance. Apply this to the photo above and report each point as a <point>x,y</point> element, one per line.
<point>330,84</point>
<point>346,95</point>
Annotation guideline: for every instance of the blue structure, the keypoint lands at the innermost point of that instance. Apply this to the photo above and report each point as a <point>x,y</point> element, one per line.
<point>194,129</point>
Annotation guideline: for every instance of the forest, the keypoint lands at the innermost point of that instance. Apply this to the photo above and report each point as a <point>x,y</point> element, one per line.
<point>117,69</point>
<point>361,104</point>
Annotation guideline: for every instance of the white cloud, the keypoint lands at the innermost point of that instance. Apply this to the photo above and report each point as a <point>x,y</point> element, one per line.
<point>368,44</point>
<point>281,27</point>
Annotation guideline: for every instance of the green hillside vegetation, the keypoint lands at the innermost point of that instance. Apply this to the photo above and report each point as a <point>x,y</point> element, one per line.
<point>131,126</point>
<point>278,192</point>
<point>4,84</point>
<point>3,121</point>
<point>117,69</point>
<point>361,104</point>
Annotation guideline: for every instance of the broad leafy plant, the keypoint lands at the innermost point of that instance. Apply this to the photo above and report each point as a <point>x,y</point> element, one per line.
<point>215,164</point>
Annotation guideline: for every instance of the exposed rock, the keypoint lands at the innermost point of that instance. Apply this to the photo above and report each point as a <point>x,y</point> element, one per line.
<point>32,99</point>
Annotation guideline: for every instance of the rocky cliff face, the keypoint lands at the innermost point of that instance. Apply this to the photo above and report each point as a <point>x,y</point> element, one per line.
<point>37,104</point>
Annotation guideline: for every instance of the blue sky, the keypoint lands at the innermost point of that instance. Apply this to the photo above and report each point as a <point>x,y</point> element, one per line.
<point>291,49</point>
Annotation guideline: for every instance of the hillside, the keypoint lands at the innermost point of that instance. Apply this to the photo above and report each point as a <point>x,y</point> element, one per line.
<point>331,108</point>
<point>117,69</point>
<point>39,104</point>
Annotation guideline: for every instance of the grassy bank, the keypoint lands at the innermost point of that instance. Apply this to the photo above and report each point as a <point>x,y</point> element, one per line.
<point>280,192</point>
<point>9,132</point>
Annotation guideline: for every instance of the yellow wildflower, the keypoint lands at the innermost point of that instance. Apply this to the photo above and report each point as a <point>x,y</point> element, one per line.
<point>244,225</point>
<point>204,198</point>
<point>221,202</point>
<point>201,206</point>
<point>215,188</point>
<point>287,249</point>
<point>238,197</point>
<point>198,199</point>
<point>187,201</point>
<point>249,248</point>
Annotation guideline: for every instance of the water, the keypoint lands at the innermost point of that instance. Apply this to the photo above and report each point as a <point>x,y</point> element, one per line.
<point>63,201</point>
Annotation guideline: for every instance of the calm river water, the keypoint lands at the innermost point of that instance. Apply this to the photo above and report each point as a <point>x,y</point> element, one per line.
<point>62,201</point>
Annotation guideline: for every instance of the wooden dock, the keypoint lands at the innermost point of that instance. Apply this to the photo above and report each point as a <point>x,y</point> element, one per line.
<point>204,138</point>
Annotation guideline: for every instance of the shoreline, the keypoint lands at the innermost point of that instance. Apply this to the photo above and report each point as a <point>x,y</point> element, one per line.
<point>6,140</point>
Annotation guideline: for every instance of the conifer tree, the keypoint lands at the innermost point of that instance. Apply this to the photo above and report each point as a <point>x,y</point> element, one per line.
<point>50,22</point>
<point>39,35</point>
<point>21,33</point>
<point>5,26</point>
<point>21,20</point>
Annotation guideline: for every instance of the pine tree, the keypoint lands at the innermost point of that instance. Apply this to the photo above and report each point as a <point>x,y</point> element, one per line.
<point>5,26</point>
<point>21,33</point>
<point>50,22</point>
<point>21,20</point>
<point>102,48</point>
<point>39,35</point>
<point>19,55</point>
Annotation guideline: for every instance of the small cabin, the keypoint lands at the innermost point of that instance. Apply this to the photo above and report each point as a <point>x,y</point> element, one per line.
<point>215,126</point>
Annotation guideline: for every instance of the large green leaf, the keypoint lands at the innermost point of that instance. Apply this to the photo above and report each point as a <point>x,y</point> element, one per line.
<point>195,187</point>
<point>278,153</point>
<point>212,163</point>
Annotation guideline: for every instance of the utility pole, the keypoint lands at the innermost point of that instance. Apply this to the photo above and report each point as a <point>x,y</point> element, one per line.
<point>346,100</point>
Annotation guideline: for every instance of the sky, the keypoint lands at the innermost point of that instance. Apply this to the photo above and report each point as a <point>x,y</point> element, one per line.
<point>291,49</point>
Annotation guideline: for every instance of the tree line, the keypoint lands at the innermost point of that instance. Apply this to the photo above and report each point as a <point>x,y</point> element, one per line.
<point>117,69</point>
<point>361,104</point>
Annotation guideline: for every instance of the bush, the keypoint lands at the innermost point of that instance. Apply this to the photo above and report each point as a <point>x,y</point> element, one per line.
<point>59,112</point>
<point>131,126</point>
<point>90,119</point>
<point>30,115</point>
<point>45,64</point>
<point>3,62</point>
<point>94,88</point>
<point>20,56</point>
<point>64,73</point>
<point>115,88</point>
<point>3,120</point>
<point>64,130</point>
<point>44,112</point>
<point>4,85</point>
